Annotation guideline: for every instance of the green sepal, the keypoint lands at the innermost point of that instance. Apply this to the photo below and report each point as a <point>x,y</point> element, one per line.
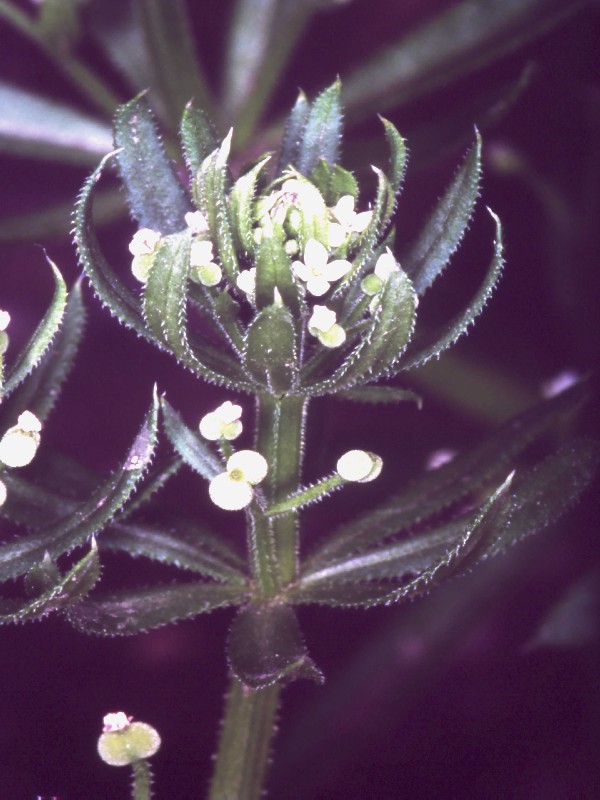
<point>192,549</point>
<point>455,482</point>
<point>333,182</point>
<point>69,589</point>
<point>41,388</point>
<point>133,611</point>
<point>241,202</point>
<point>155,196</point>
<point>273,272</point>
<point>292,134</point>
<point>41,339</point>
<point>188,444</point>
<point>420,353</point>
<point>270,351</point>
<point>380,394</point>
<point>265,646</point>
<point>198,137</point>
<point>446,226</point>
<point>321,136</point>
<point>86,519</point>
<point>165,311</point>
<point>210,193</point>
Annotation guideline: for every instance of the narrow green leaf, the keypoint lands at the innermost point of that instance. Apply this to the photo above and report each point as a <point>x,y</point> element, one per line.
<point>33,126</point>
<point>58,24</point>
<point>322,134</point>
<point>241,204</point>
<point>61,536</point>
<point>420,354</point>
<point>190,446</point>
<point>445,228</point>
<point>454,482</point>
<point>379,394</point>
<point>292,134</point>
<point>273,272</point>
<point>69,589</point>
<point>42,337</point>
<point>129,612</point>
<point>40,390</point>
<point>155,196</point>
<point>198,137</point>
<point>265,646</point>
<point>177,77</point>
<point>196,551</point>
<point>270,352</point>
<point>398,156</point>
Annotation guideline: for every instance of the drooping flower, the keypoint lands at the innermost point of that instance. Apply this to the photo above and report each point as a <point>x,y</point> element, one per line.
<point>348,221</point>
<point>222,423</point>
<point>323,325</point>
<point>316,271</point>
<point>204,269</point>
<point>19,444</point>
<point>234,488</point>
<point>142,247</point>
<point>359,466</point>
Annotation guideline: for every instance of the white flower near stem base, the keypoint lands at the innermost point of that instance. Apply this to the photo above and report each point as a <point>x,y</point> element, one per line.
<point>234,489</point>
<point>19,444</point>
<point>315,270</point>
<point>323,325</point>
<point>359,466</point>
<point>222,423</point>
<point>124,742</point>
<point>142,247</point>
<point>348,221</point>
<point>204,269</point>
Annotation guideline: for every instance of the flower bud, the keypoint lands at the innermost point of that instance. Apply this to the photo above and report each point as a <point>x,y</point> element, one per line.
<point>359,466</point>
<point>19,444</point>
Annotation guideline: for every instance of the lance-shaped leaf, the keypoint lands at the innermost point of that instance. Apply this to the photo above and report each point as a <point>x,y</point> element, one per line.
<point>445,228</point>
<point>165,310</point>
<point>273,272</point>
<point>265,646</point>
<point>155,196</point>
<point>322,133</point>
<point>379,394</point>
<point>69,589</point>
<point>61,536</point>
<point>454,482</point>
<point>210,193</point>
<point>129,612</point>
<point>270,354</point>
<point>398,157</point>
<point>190,446</point>
<point>369,593</point>
<point>333,182</point>
<point>241,202</point>
<point>39,342</point>
<point>111,291</point>
<point>198,137</point>
<point>36,127</point>
<point>420,353</point>
<point>292,133</point>
<point>194,550</point>
<point>41,388</point>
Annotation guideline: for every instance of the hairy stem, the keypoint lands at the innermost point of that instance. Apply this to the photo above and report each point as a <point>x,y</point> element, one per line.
<point>142,780</point>
<point>245,743</point>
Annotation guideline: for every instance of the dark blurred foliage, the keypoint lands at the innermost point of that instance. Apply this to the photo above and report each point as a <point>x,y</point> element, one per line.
<point>455,695</point>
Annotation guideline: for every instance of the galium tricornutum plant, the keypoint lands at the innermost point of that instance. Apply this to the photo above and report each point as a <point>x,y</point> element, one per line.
<point>280,283</point>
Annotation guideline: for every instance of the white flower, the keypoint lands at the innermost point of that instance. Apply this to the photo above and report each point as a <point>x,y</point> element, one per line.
<point>386,265</point>
<point>115,721</point>
<point>348,220</point>
<point>2,493</point>
<point>19,444</point>
<point>196,222</point>
<point>4,320</point>
<point>323,325</point>
<point>316,272</point>
<point>142,247</point>
<point>359,466</point>
<point>204,269</point>
<point>222,423</point>
<point>246,281</point>
<point>233,489</point>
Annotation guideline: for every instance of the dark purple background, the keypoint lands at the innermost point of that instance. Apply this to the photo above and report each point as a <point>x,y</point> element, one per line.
<point>439,698</point>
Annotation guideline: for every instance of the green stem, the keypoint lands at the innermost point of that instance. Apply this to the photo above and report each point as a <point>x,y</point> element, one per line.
<point>280,438</point>
<point>245,743</point>
<point>142,780</point>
